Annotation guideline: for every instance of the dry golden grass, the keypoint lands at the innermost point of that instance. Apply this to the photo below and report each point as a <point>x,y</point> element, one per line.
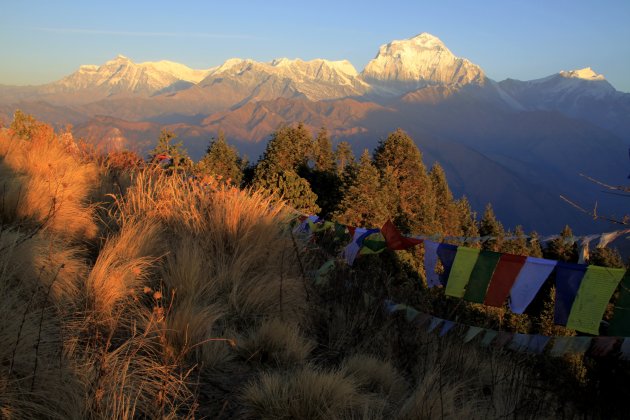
<point>276,343</point>
<point>377,376</point>
<point>44,181</point>
<point>307,394</point>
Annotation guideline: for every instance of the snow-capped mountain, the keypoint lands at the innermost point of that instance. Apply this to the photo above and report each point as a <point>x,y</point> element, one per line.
<point>409,64</point>
<point>579,93</point>
<point>315,80</point>
<point>123,76</point>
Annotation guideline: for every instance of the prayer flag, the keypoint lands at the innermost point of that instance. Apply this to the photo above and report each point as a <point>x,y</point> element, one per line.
<point>446,253</point>
<point>351,250</point>
<point>481,275</point>
<point>463,265</point>
<point>503,278</point>
<point>446,327</point>
<point>421,319</point>
<point>472,333</point>
<point>625,349</point>
<point>435,322</point>
<point>603,346</point>
<point>430,260</point>
<point>395,240</point>
<point>578,345</point>
<point>503,337</point>
<point>528,282</point>
<point>620,322</point>
<point>568,279</point>
<point>373,244</point>
<point>596,289</point>
<point>537,343</point>
<point>488,337</point>
<point>520,342</point>
<point>560,345</point>
<point>411,314</point>
<point>321,275</point>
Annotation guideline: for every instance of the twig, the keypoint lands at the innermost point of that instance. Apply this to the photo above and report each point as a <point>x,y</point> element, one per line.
<point>41,321</point>
<point>594,214</point>
<point>610,187</point>
<point>28,305</point>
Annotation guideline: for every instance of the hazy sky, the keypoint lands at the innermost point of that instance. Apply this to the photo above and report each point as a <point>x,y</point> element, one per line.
<point>42,41</point>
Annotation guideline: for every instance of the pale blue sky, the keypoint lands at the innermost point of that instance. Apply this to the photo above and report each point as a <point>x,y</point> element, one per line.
<point>42,41</point>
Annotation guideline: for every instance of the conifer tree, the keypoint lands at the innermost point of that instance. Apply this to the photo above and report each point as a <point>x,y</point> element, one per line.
<point>412,199</point>
<point>534,246</point>
<point>563,248</point>
<point>290,187</point>
<point>289,148</point>
<point>606,257</point>
<point>517,245</point>
<point>446,211</point>
<point>343,156</point>
<point>467,221</point>
<point>323,155</point>
<point>363,202</point>
<point>175,151</point>
<point>278,171</point>
<point>490,226</point>
<point>223,160</point>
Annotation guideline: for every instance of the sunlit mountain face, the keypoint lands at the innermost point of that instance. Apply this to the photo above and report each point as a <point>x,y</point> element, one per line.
<point>517,144</point>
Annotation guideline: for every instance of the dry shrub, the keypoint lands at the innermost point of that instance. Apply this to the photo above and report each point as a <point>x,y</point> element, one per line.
<point>307,394</point>
<point>377,376</point>
<point>276,343</point>
<point>45,182</point>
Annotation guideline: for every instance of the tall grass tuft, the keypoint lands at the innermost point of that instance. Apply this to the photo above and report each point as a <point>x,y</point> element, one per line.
<point>45,182</point>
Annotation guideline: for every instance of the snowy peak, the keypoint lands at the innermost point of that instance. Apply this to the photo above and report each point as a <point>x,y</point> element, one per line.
<point>121,75</point>
<point>586,73</point>
<point>316,79</point>
<point>422,60</point>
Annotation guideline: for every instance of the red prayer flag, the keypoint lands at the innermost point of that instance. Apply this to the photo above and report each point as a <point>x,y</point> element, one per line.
<point>351,230</point>
<point>503,278</point>
<point>395,240</point>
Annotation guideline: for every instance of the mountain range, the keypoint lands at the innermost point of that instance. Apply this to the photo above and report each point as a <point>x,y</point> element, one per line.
<point>517,144</point>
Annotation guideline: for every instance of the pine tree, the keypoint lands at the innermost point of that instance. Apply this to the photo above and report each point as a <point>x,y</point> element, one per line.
<point>289,148</point>
<point>399,161</point>
<point>176,152</point>
<point>285,157</point>
<point>323,155</point>
<point>290,187</point>
<point>363,202</point>
<point>490,226</point>
<point>343,156</point>
<point>446,211</point>
<point>563,248</point>
<point>606,257</point>
<point>517,245</point>
<point>534,246</point>
<point>467,221</point>
<point>222,160</point>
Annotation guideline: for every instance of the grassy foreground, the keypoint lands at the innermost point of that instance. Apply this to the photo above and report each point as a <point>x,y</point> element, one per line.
<point>143,294</point>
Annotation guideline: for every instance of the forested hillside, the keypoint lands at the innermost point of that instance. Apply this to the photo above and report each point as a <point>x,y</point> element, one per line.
<point>157,286</point>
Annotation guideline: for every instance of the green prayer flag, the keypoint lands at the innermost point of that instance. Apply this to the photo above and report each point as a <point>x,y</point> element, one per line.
<point>620,322</point>
<point>480,276</point>
<point>596,289</point>
<point>373,244</point>
<point>463,265</point>
<point>488,337</point>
